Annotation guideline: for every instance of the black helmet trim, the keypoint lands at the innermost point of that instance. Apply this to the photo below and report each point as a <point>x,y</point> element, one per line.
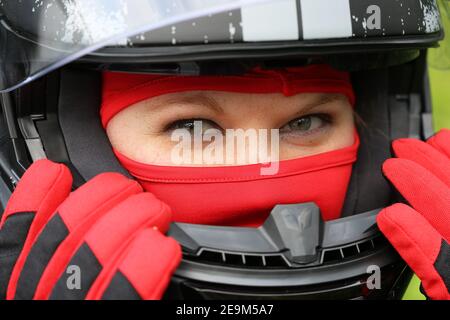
<point>261,50</point>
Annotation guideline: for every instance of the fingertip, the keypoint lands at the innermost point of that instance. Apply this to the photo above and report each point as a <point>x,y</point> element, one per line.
<point>441,141</point>
<point>391,165</point>
<point>409,148</point>
<point>41,178</point>
<point>395,210</point>
<point>149,204</point>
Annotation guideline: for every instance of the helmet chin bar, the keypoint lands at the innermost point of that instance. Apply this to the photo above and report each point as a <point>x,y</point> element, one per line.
<point>294,254</point>
<point>293,236</point>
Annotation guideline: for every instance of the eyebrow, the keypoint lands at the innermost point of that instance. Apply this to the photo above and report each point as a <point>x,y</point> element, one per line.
<point>204,100</point>
<point>325,98</point>
<point>198,99</point>
<point>321,100</point>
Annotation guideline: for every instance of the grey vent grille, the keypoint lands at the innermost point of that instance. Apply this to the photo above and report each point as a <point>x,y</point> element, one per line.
<point>278,260</point>
<point>353,250</point>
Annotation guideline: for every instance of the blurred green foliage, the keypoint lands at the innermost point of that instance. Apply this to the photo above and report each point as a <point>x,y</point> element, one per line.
<point>439,71</point>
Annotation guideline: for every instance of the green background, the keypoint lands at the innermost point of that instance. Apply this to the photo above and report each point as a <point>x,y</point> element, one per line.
<point>439,71</point>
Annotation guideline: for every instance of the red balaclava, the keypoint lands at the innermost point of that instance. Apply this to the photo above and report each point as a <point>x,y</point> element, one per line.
<point>238,195</point>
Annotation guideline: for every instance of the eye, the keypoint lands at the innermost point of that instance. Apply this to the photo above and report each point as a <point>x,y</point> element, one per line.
<point>307,124</point>
<point>191,124</point>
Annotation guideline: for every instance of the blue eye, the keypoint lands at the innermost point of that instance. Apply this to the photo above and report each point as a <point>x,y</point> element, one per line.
<point>305,124</point>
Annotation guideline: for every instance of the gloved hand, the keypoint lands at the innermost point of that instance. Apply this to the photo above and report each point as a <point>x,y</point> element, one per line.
<point>421,232</point>
<point>103,241</point>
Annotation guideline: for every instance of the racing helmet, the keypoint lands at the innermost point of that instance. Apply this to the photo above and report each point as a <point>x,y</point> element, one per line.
<point>53,52</point>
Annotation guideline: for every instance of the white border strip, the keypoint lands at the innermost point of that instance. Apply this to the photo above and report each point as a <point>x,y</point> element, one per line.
<point>324,19</point>
<point>277,20</point>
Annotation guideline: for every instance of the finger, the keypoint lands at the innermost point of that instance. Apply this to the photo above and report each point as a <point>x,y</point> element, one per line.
<point>83,206</point>
<point>143,271</point>
<point>424,154</point>
<point>92,250</point>
<point>417,242</point>
<point>441,141</point>
<point>44,185</point>
<point>40,191</point>
<point>427,194</point>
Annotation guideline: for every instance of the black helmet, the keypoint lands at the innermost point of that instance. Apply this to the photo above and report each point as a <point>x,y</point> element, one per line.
<point>382,42</point>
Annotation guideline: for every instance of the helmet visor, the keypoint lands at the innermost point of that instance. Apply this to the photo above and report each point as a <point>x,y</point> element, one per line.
<point>37,37</point>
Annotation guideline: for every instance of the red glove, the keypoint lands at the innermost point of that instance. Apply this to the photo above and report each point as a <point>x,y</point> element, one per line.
<point>421,232</point>
<point>103,241</point>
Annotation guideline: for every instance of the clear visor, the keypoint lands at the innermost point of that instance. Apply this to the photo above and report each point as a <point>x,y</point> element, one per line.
<point>38,36</point>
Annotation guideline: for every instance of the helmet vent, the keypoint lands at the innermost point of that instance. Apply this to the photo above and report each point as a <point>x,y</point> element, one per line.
<point>211,256</point>
<point>353,250</point>
<point>241,260</point>
<point>278,260</point>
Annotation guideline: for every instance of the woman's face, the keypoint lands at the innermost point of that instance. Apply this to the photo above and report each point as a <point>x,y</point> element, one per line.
<point>308,123</point>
